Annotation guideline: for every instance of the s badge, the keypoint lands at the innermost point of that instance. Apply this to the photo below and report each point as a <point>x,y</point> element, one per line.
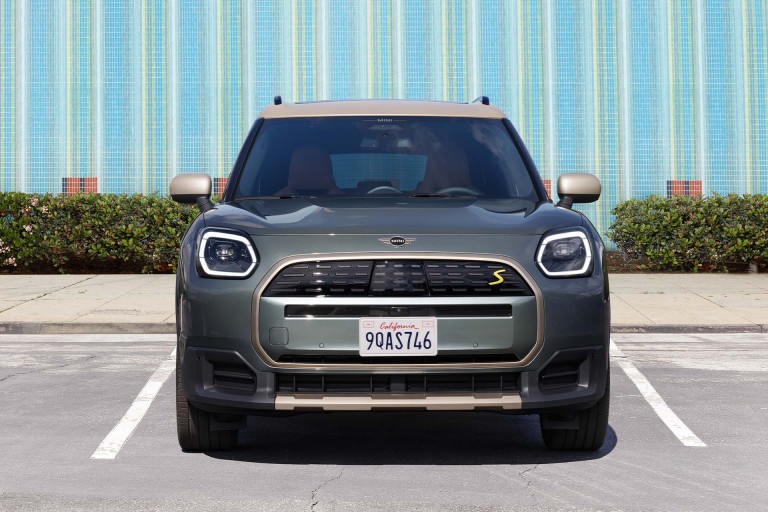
<point>498,276</point>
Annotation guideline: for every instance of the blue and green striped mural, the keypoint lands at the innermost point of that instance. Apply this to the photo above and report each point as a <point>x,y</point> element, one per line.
<point>653,96</point>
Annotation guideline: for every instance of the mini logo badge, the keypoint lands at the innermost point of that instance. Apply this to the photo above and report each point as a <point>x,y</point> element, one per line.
<point>397,241</point>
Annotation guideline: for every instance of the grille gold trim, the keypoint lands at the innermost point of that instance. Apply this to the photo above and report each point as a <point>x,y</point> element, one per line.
<point>407,368</point>
<point>428,402</point>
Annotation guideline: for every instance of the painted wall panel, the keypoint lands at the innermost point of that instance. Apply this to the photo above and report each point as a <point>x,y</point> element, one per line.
<point>642,93</point>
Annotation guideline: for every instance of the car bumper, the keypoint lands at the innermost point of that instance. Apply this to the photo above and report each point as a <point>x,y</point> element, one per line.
<point>223,381</point>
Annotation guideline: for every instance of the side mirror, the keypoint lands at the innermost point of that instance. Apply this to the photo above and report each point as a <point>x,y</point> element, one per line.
<point>193,188</point>
<point>577,187</point>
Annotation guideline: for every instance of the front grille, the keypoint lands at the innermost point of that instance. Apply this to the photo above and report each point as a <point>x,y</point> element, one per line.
<point>438,359</point>
<point>399,384</point>
<point>397,278</point>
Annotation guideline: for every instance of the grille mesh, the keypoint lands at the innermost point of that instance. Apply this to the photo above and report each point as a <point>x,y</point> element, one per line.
<point>393,278</point>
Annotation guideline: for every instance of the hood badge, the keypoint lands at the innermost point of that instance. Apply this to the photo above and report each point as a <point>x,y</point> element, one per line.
<point>397,241</point>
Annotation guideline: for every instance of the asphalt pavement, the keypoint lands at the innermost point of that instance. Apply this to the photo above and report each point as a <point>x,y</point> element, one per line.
<point>125,303</point>
<point>62,395</point>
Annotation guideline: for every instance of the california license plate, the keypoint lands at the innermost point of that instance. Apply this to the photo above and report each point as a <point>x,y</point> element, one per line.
<point>390,336</point>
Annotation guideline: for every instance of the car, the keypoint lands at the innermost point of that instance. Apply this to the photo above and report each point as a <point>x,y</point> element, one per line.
<point>390,255</point>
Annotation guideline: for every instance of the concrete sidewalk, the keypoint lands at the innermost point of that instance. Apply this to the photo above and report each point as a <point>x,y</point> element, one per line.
<point>48,304</point>
<point>119,303</point>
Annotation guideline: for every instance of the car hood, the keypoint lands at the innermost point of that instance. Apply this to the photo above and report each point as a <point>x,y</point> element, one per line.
<point>390,216</point>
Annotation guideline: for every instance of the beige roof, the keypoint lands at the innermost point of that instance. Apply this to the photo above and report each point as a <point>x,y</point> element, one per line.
<point>382,108</point>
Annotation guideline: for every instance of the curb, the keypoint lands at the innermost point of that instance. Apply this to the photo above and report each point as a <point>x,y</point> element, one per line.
<point>87,328</point>
<point>170,328</point>
<point>688,329</point>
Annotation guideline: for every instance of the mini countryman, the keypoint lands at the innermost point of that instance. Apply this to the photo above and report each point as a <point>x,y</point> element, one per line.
<point>384,256</point>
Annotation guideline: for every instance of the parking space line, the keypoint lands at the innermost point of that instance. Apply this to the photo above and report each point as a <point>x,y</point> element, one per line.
<point>113,443</point>
<point>667,415</point>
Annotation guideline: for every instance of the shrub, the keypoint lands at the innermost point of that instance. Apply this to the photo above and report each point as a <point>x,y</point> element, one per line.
<point>693,233</point>
<point>90,232</point>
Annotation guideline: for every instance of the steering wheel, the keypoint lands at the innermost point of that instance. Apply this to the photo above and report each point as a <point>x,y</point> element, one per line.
<point>384,188</point>
<point>458,190</point>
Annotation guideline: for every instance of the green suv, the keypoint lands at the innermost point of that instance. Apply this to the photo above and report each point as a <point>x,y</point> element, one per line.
<point>390,255</point>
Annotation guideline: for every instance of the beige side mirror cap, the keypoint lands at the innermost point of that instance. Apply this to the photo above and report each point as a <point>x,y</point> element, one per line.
<point>192,188</point>
<point>577,187</point>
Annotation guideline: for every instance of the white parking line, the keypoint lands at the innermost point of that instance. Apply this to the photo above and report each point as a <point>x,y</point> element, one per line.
<point>113,443</point>
<point>667,415</point>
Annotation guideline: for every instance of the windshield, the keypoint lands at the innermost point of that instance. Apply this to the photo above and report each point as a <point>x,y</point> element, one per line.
<point>368,156</point>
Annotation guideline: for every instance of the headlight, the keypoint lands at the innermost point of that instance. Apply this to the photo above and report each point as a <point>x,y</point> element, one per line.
<point>565,254</point>
<point>223,254</point>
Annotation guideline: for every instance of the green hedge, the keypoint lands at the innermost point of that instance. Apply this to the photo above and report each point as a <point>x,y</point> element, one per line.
<point>693,233</point>
<point>116,233</point>
<point>90,232</point>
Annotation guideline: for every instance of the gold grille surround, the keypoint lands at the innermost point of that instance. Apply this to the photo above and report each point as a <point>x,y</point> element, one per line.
<point>405,368</point>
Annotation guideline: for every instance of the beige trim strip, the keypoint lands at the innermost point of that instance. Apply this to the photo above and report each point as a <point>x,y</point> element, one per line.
<point>382,108</point>
<point>429,402</point>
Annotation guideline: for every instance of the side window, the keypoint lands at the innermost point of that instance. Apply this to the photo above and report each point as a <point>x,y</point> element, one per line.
<point>265,155</point>
<point>509,175</point>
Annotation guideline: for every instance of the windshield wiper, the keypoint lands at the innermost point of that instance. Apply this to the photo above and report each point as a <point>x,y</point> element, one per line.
<point>443,195</point>
<point>253,198</point>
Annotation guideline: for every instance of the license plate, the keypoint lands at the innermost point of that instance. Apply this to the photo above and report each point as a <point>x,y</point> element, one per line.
<point>390,336</point>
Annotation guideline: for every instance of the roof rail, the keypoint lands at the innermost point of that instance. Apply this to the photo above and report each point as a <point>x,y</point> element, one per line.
<point>482,99</point>
<point>278,100</point>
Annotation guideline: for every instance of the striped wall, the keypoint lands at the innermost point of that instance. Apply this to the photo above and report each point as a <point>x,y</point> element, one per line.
<point>651,95</point>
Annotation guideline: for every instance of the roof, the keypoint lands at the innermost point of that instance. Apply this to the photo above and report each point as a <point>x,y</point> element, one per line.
<point>382,108</point>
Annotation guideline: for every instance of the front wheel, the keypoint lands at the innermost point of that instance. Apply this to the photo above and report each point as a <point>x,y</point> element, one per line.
<point>193,426</point>
<point>590,434</point>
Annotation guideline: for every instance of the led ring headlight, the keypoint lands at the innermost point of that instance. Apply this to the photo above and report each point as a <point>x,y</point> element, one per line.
<point>565,255</point>
<point>223,254</point>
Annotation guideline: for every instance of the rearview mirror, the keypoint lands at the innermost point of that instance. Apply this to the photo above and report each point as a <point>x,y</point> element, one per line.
<point>577,187</point>
<point>192,188</point>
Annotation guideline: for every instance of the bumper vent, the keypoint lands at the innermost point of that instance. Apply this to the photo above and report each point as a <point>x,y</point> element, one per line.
<point>397,278</point>
<point>233,379</point>
<point>558,376</point>
<point>398,384</point>
<point>564,371</point>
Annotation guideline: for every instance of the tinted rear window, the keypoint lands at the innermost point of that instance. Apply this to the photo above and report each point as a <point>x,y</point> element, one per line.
<point>356,156</point>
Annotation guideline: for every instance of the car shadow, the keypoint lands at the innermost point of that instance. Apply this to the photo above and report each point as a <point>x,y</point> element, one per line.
<point>407,438</point>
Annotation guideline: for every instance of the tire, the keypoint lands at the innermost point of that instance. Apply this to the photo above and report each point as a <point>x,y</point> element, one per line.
<point>593,424</point>
<point>193,425</point>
